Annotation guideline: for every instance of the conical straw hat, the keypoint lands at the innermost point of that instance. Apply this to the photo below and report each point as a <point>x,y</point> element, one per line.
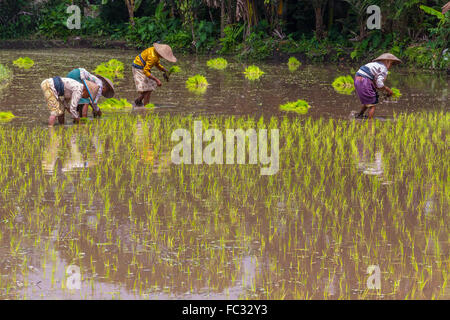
<point>93,88</point>
<point>165,51</point>
<point>108,83</point>
<point>388,56</point>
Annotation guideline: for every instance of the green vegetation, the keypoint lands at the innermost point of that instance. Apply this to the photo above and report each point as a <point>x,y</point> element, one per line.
<point>174,69</point>
<point>24,63</point>
<point>114,104</point>
<point>300,106</point>
<point>396,93</point>
<point>197,84</point>
<point>253,72</point>
<point>344,84</point>
<point>112,69</point>
<point>130,217</point>
<point>6,116</point>
<point>150,106</point>
<point>218,63</point>
<point>5,76</point>
<point>293,64</point>
<point>321,30</point>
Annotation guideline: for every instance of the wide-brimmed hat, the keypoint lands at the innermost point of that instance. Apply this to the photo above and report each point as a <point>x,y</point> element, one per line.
<point>93,88</point>
<point>388,56</point>
<point>165,51</point>
<point>108,83</point>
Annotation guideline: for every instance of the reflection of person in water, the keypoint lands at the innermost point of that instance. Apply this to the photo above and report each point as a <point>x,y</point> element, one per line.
<point>76,159</point>
<point>366,162</point>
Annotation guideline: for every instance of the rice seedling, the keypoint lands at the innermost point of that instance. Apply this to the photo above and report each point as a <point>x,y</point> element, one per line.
<point>114,104</point>
<point>174,69</point>
<point>293,64</point>
<point>217,63</point>
<point>24,62</point>
<point>112,69</point>
<point>396,93</point>
<point>343,84</point>
<point>6,116</point>
<point>197,84</point>
<point>253,72</point>
<point>299,106</point>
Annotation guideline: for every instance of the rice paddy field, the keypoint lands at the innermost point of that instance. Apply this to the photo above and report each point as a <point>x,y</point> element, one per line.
<point>100,211</point>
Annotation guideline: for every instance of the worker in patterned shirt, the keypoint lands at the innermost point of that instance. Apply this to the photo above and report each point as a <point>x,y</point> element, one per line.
<point>65,93</point>
<point>144,80</point>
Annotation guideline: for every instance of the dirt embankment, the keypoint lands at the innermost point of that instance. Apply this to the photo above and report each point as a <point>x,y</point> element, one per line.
<point>76,42</point>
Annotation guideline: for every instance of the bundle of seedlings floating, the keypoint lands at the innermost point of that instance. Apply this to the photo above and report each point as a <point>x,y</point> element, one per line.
<point>114,104</point>
<point>293,64</point>
<point>299,106</point>
<point>150,106</point>
<point>6,116</point>
<point>218,63</point>
<point>253,72</point>
<point>112,69</point>
<point>343,84</point>
<point>24,63</point>
<point>174,69</point>
<point>197,84</point>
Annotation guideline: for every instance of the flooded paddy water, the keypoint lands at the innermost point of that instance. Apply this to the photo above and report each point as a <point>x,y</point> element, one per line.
<point>100,211</point>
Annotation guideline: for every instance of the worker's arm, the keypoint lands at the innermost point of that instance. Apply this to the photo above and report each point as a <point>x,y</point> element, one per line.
<point>76,96</point>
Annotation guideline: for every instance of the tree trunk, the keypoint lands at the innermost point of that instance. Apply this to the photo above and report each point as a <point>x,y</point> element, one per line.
<point>222,18</point>
<point>319,22</point>
<point>130,6</point>
<point>330,14</point>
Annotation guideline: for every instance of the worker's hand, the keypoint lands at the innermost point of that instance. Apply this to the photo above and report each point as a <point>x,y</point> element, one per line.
<point>158,82</point>
<point>97,113</point>
<point>389,91</point>
<point>166,76</point>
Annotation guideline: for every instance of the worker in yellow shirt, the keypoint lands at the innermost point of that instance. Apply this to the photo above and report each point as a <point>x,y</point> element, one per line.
<point>144,80</point>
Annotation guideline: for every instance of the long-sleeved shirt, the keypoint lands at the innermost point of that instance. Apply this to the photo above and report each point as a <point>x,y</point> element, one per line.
<point>85,75</point>
<point>150,58</point>
<point>73,90</point>
<point>378,71</point>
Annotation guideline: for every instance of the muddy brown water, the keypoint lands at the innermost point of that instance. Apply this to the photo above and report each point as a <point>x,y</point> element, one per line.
<point>239,269</point>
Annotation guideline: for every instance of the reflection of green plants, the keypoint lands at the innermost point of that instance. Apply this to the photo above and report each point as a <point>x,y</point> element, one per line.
<point>300,106</point>
<point>343,84</point>
<point>218,63</point>
<point>6,116</point>
<point>253,72</point>
<point>112,69</point>
<point>293,64</point>
<point>197,84</point>
<point>24,62</point>
<point>114,104</point>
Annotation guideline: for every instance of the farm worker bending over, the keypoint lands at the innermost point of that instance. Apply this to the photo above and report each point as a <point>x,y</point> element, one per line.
<point>105,85</point>
<point>146,82</point>
<point>370,78</point>
<point>65,93</point>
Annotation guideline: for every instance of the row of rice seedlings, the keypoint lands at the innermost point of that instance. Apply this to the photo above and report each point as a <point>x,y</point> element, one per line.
<point>312,229</point>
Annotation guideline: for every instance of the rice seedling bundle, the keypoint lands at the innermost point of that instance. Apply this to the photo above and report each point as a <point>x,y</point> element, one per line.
<point>5,76</point>
<point>343,84</point>
<point>218,63</point>
<point>299,106</point>
<point>112,69</point>
<point>197,84</point>
<point>293,64</point>
<point>24,62</point>
<point>396,94</point>
<point>253,72</point>
<point>6,116</point>
<point>174,69</point>
<point>114,104</point>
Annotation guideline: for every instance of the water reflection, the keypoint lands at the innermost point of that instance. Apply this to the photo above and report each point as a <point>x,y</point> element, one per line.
<point>69,153</point>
